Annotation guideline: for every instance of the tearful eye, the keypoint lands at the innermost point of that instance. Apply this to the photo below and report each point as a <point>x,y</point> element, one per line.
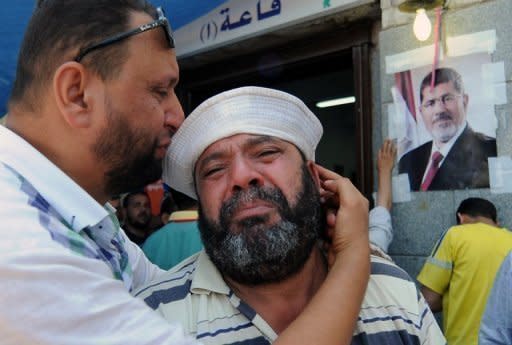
<point>212,171</point>
<point>267,153</point>
<point>163,93</point>
<point>160,92</point>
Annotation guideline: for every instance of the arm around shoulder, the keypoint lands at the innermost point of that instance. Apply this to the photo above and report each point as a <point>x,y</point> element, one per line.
<point>335,307</point>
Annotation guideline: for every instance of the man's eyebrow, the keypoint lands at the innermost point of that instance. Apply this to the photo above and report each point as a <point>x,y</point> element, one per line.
<point>173,82</point>
<point>256,140</point>
<point>261,139</point>
<point>211,157</point>
<point>170,80</point>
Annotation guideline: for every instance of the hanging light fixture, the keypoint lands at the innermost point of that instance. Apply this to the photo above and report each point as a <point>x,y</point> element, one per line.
<point>422,27</point>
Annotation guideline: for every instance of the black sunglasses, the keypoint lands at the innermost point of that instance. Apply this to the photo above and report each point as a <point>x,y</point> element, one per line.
<point>161,21</point>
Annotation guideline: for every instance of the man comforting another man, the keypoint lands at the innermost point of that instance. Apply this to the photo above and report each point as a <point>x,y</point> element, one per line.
<point>248,155</point>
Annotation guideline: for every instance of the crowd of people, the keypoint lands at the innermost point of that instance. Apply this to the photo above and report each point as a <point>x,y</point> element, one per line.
<point>256,243</point>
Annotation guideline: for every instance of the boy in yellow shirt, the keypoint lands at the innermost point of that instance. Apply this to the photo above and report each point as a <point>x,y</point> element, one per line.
<point>458,275</point>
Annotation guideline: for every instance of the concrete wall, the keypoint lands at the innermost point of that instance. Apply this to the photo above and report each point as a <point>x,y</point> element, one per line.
<point>419,223</point>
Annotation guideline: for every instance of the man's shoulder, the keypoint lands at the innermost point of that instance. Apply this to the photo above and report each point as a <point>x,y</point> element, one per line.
<point>389,285</point>
<point>21,202</point>
<point>383,267</point>
<point>412,155</point>
<point>392,295</point>
<point>10,179</point>
<point>24,212</point>
<point>157,236</point>
<point>170,286</point>
<point>480,136</point>
<point>479,140</point>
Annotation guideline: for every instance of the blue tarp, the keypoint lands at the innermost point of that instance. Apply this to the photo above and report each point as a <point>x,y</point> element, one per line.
<point>14,16</point>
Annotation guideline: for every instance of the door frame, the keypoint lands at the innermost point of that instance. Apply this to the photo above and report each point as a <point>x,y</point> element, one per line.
<point>355,41</point>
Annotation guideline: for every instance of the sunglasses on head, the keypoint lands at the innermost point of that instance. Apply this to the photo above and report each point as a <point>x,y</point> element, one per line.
<point>161,21</point>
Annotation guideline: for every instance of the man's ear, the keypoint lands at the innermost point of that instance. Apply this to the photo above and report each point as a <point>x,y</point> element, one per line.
<point>465,219</point>
<point>314,172</point>
<point>164,217</point>
<point>465,100</point>
<point>70,83</point>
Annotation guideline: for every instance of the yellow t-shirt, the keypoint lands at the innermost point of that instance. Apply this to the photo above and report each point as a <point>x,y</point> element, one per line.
<point>462,268</point>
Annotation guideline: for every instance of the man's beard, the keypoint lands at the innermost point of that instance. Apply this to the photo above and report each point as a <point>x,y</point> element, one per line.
<point>129,154</point>
<point>138,222</point>
<point>443,133</point>
<point>260,254</point>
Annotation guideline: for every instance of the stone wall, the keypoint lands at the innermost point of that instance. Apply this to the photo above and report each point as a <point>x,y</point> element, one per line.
<point>419,223</point>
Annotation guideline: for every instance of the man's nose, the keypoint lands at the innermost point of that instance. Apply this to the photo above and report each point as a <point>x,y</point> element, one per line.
<point>244,175</point>
<point>174,115</point>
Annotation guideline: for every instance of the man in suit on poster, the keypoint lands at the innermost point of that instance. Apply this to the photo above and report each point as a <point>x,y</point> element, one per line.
<point>456,158</point>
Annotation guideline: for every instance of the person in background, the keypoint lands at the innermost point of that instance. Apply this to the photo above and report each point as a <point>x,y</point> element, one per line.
<point>91,114</point>
<point>496,325</point>
<point>380,227</point>
<point>179,238</point>
<point>167,208</point>
<point>261,221</point>
<point>137,216</point>
<point>458,275</point>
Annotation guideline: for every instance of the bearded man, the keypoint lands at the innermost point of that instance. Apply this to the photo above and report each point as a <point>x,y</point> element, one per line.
<point>137,211</point>
<point>261,220</point>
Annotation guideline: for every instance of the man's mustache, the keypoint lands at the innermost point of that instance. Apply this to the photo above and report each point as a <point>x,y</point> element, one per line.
<point>232,205</point>
<point>444,116</point>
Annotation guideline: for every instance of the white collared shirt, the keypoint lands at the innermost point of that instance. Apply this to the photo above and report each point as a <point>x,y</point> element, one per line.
<point>65,266</point>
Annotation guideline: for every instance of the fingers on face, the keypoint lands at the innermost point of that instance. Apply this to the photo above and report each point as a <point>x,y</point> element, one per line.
<point>326,174</point>
<point>337,190</point>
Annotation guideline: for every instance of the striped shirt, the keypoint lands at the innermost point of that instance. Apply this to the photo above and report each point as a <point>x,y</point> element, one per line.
<point>194,293</point>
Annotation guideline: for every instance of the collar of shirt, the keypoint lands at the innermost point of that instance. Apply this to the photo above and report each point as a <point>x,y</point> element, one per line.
<point>72,202</point>
<point>207,277</point>
<point>183,216</point>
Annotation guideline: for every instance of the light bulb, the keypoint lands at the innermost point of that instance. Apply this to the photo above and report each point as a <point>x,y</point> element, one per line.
<point>422,27</point>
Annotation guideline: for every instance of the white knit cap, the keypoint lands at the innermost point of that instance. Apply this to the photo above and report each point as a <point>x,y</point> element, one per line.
<point>250,110</point>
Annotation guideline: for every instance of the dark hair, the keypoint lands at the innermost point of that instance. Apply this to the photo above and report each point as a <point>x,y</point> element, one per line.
<point>443,75</point>
<point>58,29</point>
<point>167,205</point>
<point>475,207</point>
<point>127,198</point>
<point>182,201</point>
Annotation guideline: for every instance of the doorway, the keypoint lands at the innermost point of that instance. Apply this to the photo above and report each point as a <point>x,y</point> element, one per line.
<point>346,143</point>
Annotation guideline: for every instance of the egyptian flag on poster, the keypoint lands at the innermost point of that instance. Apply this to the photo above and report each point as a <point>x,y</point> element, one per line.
<point>403,98</point>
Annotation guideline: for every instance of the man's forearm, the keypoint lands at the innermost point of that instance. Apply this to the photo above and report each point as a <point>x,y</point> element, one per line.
<point>384,191</point>
<point>434,300</point>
